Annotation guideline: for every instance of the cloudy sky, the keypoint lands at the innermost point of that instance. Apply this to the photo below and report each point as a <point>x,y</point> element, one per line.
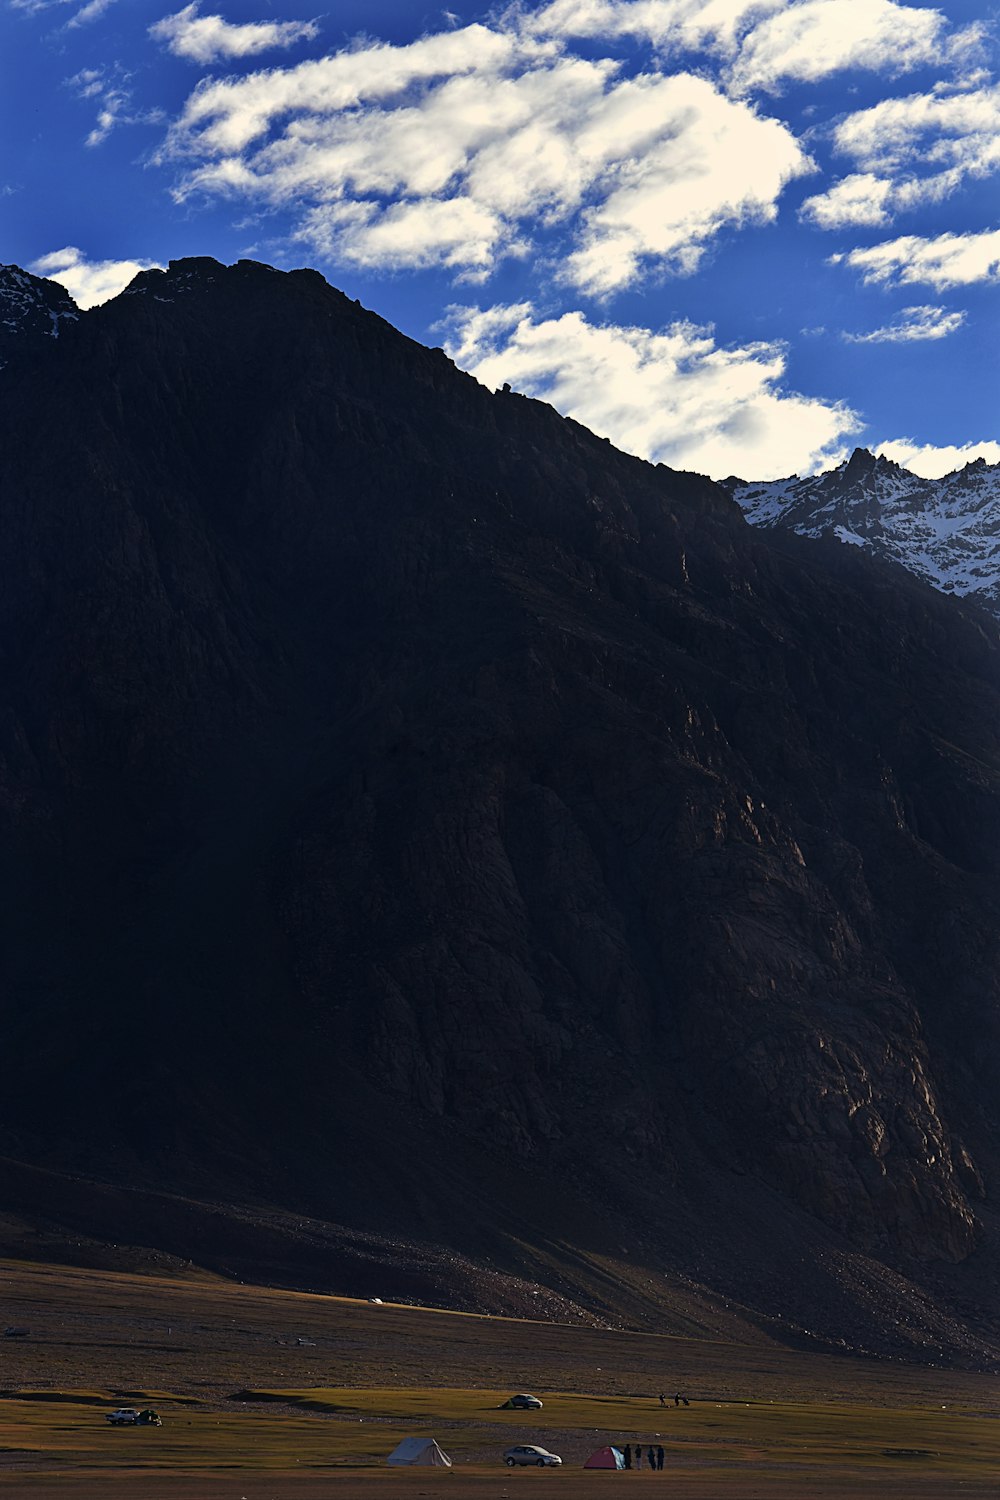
<point>738,236</point>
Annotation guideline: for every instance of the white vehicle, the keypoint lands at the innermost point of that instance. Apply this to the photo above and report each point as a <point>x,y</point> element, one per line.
<point>526,1453</point>
<point>125,1416</point>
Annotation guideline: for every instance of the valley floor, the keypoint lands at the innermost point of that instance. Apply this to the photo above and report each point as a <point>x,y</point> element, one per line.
<point>275,1395</point>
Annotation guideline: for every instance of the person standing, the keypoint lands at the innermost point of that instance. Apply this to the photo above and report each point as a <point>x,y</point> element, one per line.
<point>659,1458</point>
<point>638,1455</point>
<point>651,1456</point>
<point>627,1455</point>
<point>663,1399</point>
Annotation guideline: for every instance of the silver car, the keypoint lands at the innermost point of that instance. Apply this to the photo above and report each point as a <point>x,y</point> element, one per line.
<point>125,1416</point>
<point>526,1453</point>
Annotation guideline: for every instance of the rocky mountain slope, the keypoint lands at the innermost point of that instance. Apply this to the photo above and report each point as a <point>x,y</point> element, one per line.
<point>442,851</point>
<point>946,531</point>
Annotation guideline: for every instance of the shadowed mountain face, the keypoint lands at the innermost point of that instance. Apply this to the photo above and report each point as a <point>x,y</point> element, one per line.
<point>420,817</point>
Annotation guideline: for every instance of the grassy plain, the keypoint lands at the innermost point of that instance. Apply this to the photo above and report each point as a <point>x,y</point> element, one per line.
<point>274,1395</point>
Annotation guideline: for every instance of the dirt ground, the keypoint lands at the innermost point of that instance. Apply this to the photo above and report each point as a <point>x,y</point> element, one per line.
<point>457,1485</point>
<point>273,1395</point>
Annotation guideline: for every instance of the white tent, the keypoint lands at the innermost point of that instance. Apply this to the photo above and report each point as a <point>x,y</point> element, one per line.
<point>419,1451</point>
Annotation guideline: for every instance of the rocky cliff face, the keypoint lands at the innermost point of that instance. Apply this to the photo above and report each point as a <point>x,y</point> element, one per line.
<point>946,531</point>
<point>422,816</point>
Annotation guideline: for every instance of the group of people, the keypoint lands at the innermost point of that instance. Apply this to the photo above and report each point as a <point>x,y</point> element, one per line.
<point>633,1457</point>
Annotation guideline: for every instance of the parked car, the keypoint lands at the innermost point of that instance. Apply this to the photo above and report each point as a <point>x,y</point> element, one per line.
<point>527,1453</point>
<point>127,1416</point>
<point>124,1416</point>
<point>524,1402</point>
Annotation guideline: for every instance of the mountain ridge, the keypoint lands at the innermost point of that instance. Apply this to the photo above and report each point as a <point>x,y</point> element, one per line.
<point>946,531</point>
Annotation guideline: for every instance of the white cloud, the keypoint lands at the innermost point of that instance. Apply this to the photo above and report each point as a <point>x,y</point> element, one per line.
<point>955,128</point>
<point>931,462</point>
<point>712,162</point>
<point>673,396</point>
<point>948,260</point>
<point>204,39</point>
<point>108,116</point>
<point>861,198</point>
<point>766,42</point>
<point>470,138</point>
<point>671,25</point>
<point>110,87</point>
<point>908,151</point>
<point>223,116</point>
<point>89,282</point>
<point>912,325</point>
<point>88,83</point>
<point>456,233</point>
<point>90,12</point>
<point>913,151</point>
<point>925,144</point>
<point>809,41</point>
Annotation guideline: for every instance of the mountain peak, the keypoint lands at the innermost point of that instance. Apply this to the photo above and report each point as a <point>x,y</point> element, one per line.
<point>192,273</point>
<point>32,311</point>
<point>179,276</point>
<point>861,461</point>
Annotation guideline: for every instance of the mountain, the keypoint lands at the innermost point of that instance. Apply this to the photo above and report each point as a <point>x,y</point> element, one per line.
<point>32,312</point>
<point>445,857</point>
<point>946,531</point>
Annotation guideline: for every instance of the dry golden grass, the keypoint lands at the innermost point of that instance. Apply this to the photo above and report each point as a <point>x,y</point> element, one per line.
<point>251,1412</point>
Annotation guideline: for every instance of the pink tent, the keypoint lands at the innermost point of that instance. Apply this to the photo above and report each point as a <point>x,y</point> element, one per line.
<point>606,1458</point>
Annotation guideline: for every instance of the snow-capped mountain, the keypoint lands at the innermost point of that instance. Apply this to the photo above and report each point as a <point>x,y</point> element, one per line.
<point>944,530</point>
<point>32,310</point>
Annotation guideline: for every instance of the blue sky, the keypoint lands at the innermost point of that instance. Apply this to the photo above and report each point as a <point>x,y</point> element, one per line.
<point>738,236</point>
